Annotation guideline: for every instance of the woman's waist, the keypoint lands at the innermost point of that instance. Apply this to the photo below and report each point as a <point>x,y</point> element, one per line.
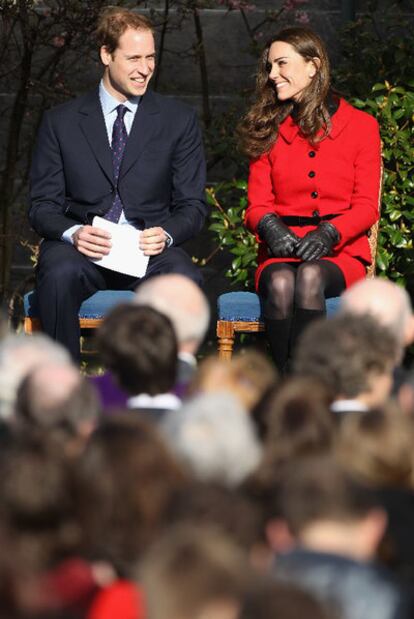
<point>307,220</point>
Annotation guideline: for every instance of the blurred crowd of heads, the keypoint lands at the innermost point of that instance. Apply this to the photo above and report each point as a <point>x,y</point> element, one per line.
<point>239,495</point>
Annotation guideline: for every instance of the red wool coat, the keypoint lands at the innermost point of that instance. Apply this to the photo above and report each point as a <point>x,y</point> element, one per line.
<point>340,175</point>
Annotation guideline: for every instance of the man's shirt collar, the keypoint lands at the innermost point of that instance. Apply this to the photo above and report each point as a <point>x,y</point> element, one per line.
<point>109,103</point>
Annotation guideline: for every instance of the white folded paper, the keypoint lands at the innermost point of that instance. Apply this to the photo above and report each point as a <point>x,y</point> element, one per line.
<point>125,255</point>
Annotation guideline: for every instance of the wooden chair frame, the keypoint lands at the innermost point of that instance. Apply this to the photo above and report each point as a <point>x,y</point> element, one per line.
<point>31,325</point>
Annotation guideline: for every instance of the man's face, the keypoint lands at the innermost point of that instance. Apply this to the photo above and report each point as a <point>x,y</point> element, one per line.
<point>129,68</point>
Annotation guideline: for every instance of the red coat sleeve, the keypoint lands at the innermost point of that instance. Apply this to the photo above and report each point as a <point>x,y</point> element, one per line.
<point>365,198</point>
<point>261,198</point>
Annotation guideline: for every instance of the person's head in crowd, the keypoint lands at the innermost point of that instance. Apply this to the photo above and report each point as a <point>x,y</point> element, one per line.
<point>58,400</point>
<point>294,413</point>
<point>327,510</point>
<point>38,503</point>
<point>228,510</point>
<point>127,480</point>
<point>386,301</point>
<point>138,345</point>
<point>215,437</point>
<point>377,447</point>
<point>247,376</point>
<point>353,356</point>
<point>179,298</point>
<point>278,600</point>
<point>194,572</point>
<point>297,422</point>
<point>19,354</point>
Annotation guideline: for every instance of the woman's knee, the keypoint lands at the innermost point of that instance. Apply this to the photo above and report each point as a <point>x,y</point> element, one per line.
<point>309,281</point>
<point>280,286</point>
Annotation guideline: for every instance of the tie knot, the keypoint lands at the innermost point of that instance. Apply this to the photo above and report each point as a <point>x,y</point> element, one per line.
<point>121,110</point>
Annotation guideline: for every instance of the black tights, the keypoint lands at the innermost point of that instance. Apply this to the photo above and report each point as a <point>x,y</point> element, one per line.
<point>293,295</point>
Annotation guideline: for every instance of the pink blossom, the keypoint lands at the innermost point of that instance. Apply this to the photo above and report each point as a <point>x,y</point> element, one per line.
<point>236,5</point>
<point>291,5</point>
<point>302,18</point>
<point>58,41</point>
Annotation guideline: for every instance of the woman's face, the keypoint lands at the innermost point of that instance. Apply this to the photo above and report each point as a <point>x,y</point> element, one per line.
<point>289,71</point>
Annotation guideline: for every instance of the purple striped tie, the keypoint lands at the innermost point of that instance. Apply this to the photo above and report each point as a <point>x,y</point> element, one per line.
<point>119,139</point>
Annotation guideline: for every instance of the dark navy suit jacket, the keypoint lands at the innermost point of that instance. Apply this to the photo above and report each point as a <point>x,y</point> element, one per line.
<point>162,176</point>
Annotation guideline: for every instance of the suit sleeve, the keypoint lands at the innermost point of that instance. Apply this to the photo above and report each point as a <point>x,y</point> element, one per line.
<point>261,199</point>
<point>365,199</point>
<point>188,208</point>
<point>47,185</point>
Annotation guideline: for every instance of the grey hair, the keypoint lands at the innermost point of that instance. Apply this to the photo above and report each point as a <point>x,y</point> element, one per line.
<point>19,354</point>
<point>383,299</point>
<point>214,435</point>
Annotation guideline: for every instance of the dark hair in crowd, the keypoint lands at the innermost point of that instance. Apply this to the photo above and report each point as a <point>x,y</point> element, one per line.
<point>127,479</point>
<point>317,488</point>
<point>345,353</point>
<point>138,344</point>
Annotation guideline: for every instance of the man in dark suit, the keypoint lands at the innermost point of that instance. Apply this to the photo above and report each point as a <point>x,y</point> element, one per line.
<point>121,152</point>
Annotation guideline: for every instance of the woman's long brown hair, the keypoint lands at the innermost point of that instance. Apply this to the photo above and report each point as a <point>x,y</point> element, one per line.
<point>259,128</point>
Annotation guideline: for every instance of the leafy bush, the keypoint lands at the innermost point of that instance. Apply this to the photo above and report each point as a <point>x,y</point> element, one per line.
<point>228,201</point>
<point>394,109</point>
<point>379,43</point>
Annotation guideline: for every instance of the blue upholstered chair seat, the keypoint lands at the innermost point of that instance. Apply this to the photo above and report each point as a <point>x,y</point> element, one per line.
<point>241,312</point>
<point>93,308</point>
<point>246,307</point>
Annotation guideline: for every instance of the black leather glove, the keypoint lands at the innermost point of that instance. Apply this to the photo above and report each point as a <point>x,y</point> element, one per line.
<point>318,243</point>
<point>280,240</point>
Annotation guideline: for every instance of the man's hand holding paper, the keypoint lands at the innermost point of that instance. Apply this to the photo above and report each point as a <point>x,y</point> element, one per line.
<point>125,255</point>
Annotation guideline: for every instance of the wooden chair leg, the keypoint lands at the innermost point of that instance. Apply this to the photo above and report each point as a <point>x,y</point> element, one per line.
<point>31,325</point>
<point>225,337</point>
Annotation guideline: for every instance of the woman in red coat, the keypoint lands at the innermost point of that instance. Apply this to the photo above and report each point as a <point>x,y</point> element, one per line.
<point>314,186</point>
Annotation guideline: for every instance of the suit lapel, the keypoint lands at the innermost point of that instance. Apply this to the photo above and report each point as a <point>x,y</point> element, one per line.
<point>92,124</point>
<point>142,130</point>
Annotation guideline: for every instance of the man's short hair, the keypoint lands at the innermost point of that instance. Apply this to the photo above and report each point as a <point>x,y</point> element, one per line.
<point>317,488</point>
<point>112,23</point>
<point>139,346</point>
<point>344,352</point>
<point>190,570</point>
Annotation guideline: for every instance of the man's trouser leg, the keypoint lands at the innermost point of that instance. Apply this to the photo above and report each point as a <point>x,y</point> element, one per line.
<point>65,278</point>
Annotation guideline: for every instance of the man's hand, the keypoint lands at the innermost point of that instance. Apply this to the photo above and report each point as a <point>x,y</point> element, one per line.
<point>153,241</point>
<point>92,242</point>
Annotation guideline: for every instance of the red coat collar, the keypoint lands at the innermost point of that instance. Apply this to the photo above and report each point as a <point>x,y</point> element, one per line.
<point>289,129</point>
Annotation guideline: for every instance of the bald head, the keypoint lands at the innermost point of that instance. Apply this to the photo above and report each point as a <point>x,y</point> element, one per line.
<point>182,301</point>
<point>55,395</point>
<point>389,303</point>
<point>51,385</point>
